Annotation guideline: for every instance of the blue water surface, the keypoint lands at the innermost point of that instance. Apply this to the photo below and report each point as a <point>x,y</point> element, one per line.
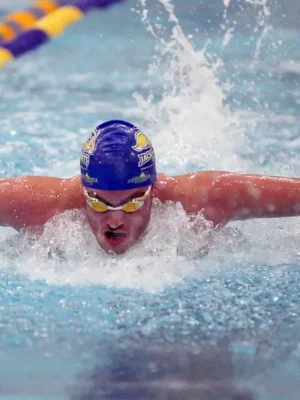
<point>164,323</point>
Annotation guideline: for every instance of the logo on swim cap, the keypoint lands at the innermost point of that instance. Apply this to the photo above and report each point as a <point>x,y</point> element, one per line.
<point>139,179</point>
<point>88,179</point>
<point>142,142</point>
<point>89,145</point>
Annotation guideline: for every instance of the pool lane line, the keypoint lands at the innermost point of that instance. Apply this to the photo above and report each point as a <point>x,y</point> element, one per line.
<point>48,27</point>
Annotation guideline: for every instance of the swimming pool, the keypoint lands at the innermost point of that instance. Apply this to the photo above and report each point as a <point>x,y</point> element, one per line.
<point>78,324</point>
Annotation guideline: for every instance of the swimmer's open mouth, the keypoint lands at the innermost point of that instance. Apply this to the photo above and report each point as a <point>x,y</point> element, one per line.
<point>114,235</point>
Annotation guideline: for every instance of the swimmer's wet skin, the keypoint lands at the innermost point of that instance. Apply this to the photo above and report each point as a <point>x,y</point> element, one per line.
<point>118,182</point>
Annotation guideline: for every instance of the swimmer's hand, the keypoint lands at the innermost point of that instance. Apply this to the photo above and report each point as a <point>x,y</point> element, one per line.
<point>225,196</point>
<point>33,200</point>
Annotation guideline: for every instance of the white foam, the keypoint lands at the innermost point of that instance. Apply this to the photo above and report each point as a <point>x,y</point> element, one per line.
<point>67,253</point>
<point>171,250</point>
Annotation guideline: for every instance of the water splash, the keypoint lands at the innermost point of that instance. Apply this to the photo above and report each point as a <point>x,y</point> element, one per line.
<point>262,27</point>
<point>262,23</point>
<point>193,128</point>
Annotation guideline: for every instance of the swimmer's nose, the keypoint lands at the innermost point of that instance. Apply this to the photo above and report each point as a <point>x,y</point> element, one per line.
<point>116,220</point>
<point>115,227</point>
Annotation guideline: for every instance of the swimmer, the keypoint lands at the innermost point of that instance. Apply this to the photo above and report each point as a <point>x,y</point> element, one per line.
<point>118,182</point>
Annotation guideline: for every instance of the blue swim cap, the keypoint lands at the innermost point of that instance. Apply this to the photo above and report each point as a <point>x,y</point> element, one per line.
<point>117,156</point>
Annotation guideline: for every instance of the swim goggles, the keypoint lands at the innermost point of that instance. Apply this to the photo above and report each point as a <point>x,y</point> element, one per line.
<point>130,206</point>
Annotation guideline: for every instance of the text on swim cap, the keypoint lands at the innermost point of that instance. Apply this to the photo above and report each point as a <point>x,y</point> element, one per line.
<point>145,157</point>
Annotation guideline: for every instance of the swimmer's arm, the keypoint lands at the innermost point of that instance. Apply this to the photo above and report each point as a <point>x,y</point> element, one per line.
<point>33,200</point>
<point>256,196</point>
<point>225,196</point>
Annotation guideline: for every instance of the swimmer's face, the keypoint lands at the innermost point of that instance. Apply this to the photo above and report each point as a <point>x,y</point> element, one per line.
<point>116,230</point>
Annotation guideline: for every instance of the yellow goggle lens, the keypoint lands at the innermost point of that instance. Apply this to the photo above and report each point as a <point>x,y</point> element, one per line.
<point>129,207</point>
<point>97,206</point>
<point>132,205</point>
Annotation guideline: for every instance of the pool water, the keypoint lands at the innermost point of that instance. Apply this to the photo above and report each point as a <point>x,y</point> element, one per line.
<point>215,85</point>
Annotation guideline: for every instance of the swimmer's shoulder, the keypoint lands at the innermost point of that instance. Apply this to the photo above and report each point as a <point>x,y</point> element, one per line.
<point>33,200</point>
<point>197,192</point>
<point>180,187</point>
